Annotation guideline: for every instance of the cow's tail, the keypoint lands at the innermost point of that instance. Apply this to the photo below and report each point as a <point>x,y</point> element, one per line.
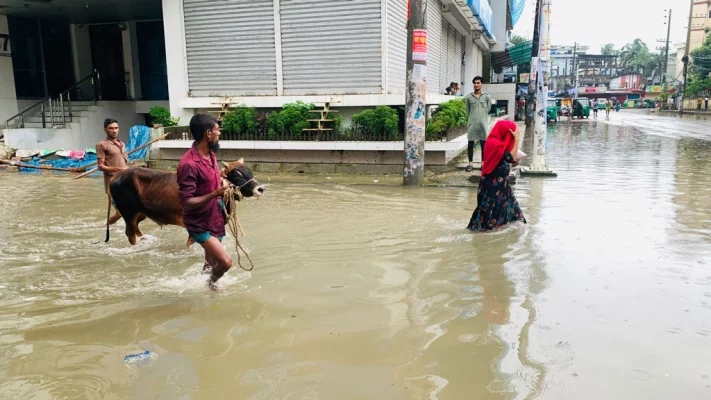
<point>108,215</point>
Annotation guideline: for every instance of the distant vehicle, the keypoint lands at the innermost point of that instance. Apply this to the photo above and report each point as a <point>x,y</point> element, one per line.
<point>552,110</point>
<point>601,103</point>
<point>584,112</point>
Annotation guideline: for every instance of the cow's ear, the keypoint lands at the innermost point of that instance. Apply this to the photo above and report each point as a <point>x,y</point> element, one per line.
<point>240,162</point>
<point>226,165</point>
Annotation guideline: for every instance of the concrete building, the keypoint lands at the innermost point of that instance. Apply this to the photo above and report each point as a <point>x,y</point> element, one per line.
<point>195,55</point>
<point>562,65</point>
<point>680,49</point>
<point>700,25</point>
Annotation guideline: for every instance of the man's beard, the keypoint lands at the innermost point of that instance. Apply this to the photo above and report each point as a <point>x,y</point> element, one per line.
<point>214,146</point>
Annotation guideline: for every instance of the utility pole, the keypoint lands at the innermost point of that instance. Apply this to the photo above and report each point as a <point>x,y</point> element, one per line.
<point>666,57</point>
<point>666,53</point>
<point>535,45</point>
<point>415,93</point>
<point>540,130</point>
<point>575,69</point>
<point>685,60</point>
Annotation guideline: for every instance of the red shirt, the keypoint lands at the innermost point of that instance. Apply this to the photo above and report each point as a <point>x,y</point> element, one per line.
<point>198,177</point>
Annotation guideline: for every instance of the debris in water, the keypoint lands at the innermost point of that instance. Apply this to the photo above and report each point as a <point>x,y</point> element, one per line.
<point>139,357</point>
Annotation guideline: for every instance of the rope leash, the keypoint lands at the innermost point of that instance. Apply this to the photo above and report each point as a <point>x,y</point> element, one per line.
<point>228,201</point>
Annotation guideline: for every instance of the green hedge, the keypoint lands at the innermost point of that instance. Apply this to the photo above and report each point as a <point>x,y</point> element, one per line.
<point>378,122</point>
<point>241,120</point>
<point>291,120</point>
<point>161,115</point>
<point>450,114</point>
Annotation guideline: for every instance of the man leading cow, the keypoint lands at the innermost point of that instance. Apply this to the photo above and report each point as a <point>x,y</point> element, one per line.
<point>111,157</point>
<point>201,192</point>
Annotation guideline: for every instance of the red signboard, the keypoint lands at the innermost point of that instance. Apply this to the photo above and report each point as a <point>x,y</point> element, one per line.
<point>419,45</point>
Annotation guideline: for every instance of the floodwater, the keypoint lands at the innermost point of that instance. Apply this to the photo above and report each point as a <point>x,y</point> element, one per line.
<point>378,292</point>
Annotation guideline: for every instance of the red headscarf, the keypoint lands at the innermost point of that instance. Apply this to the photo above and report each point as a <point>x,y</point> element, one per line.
<point>500,139</point>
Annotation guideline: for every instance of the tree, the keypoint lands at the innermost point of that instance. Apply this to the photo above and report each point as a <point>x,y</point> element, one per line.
<point>516,40</point>
<point>609,50</point>
<point>635,57</point>
<point>701,60</point>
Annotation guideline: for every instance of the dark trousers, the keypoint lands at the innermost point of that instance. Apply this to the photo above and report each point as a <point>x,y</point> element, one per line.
<point>470,149</point>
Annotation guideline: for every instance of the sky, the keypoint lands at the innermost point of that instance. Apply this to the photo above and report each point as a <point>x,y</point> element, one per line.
<point>597,22</point>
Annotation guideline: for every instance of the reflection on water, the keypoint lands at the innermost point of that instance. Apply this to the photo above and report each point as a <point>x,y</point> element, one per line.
<point>379,292</point>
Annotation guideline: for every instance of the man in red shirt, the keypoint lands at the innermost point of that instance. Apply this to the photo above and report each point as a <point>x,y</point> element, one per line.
<point>201,191</point>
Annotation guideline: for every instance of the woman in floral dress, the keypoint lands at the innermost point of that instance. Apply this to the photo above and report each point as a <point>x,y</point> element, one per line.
<point>496,204</point>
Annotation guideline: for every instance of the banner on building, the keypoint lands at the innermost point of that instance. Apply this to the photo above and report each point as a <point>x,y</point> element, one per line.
<point>419,45</point>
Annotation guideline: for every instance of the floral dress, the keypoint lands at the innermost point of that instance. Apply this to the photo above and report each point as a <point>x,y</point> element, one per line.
<point>496,204</point>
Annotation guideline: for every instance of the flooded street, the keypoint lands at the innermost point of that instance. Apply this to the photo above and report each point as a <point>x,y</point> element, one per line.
<point>379,292</point>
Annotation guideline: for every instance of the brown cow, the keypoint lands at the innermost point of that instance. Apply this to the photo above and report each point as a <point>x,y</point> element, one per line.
<point>141,193</point>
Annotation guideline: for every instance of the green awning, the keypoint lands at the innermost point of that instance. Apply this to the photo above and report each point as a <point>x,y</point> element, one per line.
<point>515,55</point>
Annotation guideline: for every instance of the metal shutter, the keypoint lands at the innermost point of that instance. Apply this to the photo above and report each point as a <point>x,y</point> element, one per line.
<point>434,46</point>
<point>396,45</point>
<point>230,47</point>
<point>331,47</point>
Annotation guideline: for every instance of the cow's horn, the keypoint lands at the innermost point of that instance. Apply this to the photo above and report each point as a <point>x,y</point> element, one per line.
<point>225,164</point>
<point>240,161</point>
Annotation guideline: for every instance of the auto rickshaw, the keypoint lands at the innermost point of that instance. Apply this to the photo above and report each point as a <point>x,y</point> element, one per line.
<point>582,108</point>
<point>552,108</point>
<point>566,107</point>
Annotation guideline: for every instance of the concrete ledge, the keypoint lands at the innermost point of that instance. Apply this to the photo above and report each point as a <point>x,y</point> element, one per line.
<point>336,100</point>
<point>313,152</point>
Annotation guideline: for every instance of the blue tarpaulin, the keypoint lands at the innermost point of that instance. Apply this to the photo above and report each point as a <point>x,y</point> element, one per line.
<point>138,136</point>
<point>516,7</point>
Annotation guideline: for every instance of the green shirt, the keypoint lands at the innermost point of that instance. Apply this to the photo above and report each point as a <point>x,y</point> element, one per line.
<point>477,116</point>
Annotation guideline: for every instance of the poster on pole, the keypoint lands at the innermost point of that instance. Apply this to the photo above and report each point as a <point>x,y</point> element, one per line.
<point>419,45</point>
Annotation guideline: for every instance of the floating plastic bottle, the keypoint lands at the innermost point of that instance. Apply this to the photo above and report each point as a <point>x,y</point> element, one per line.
<point>138,357</point>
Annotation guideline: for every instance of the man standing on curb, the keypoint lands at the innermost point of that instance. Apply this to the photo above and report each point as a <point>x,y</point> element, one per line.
<point>111,157</point>
<point>477,105</point>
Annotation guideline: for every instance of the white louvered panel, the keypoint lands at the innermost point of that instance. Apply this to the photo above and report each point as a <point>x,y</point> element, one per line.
<point>230,47</point>
<point>331,47</point>
<point>434,46</point>
<point>396,45</point>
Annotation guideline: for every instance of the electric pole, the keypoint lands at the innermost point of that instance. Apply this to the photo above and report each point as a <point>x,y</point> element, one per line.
<point>666,53</point>
<point>415,93</point>
<point>685,60</point>
<point>540,130</point>
<point>575,69</point>
<point>534,61</point>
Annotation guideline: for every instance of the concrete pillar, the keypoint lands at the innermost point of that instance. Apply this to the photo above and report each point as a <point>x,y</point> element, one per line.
<point>469,63</point>
<point>174,30</point>
<point>130,59</point>
<point>8,96</point>
<point>81,53</point>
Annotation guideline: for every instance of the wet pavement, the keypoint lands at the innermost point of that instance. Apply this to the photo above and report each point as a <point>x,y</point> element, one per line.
<point>371,291</point>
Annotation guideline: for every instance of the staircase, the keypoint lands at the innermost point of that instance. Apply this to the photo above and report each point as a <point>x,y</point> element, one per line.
<point>56,121</point>
<point>55,118</point>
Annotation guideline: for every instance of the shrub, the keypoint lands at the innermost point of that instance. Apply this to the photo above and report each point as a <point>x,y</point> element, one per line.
<point>161,115</point>
<point>241,120</point>
<point>382,120</point>
<point>450,114</point>
<point>291,120</point>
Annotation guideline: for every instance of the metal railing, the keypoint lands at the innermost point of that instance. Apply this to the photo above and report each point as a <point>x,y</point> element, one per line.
<point>346,135</point>
<point>58,107</point>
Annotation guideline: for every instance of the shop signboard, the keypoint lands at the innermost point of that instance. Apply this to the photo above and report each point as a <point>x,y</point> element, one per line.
<point>482,11</point>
